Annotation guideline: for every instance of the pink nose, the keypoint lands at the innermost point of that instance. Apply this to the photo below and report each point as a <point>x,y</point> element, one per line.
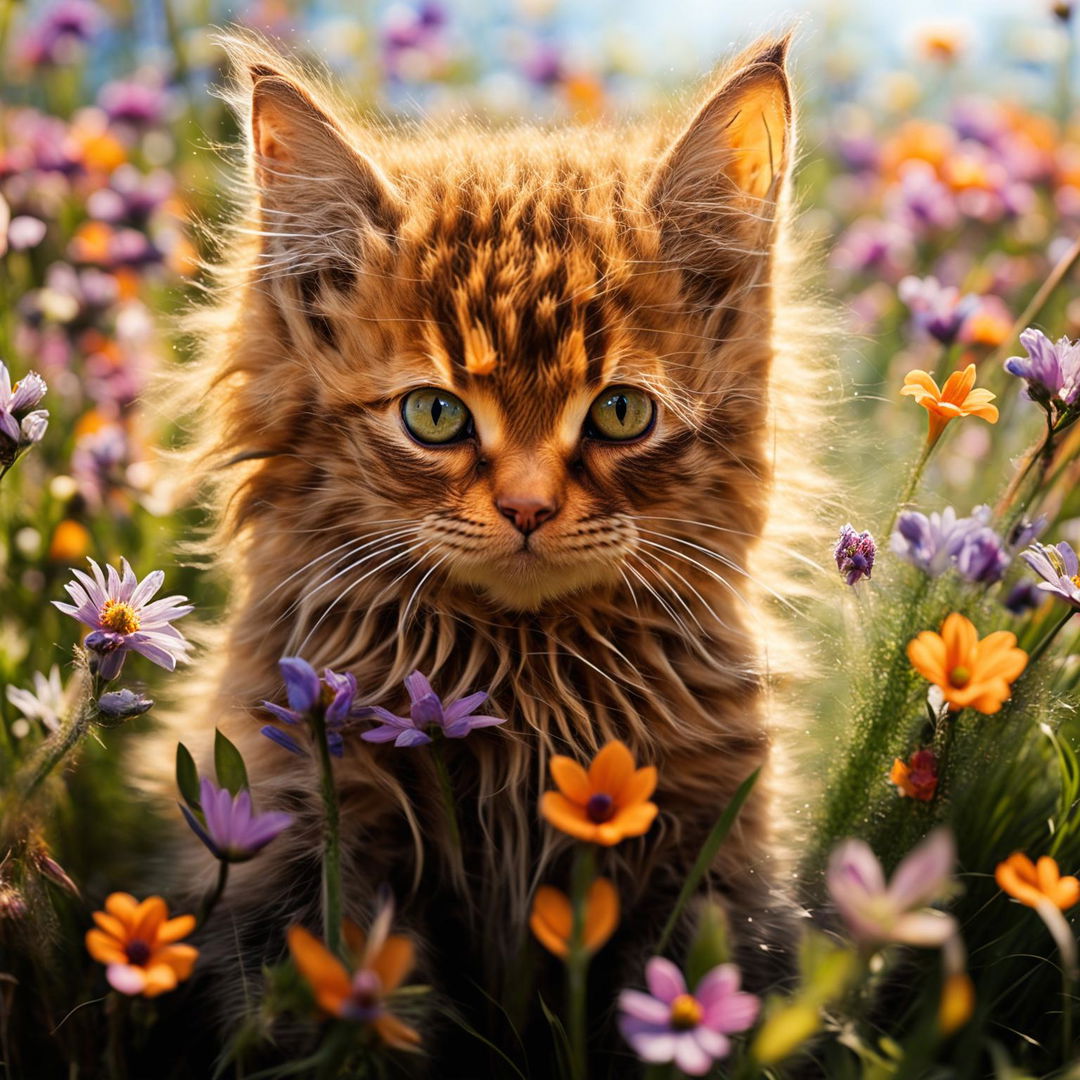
<point>526,515</point>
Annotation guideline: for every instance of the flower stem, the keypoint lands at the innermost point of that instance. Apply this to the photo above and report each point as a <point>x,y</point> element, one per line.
<point>331,869</point>
<point>447,789</point>
<point>913,483</point>
<point>116,1009</point>
<point>1043,645</point>
<point>59,745</point>
<point>577,961</point>
<point>211,901</point>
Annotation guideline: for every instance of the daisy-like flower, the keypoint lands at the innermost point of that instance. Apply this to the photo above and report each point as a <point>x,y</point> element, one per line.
<point>138,944</point>
<point>334,694</point>
<point>671,1024</point>
<point>1059,568</point>
<point>122,618</point>
<point>958,397</point>
<point>552,918</point>
<point>854,554</point>
<point>44,703</point>
<point>1040,885</point>
<point>937,542</point>
<point>230,828</point>
<point>380,963</point>
<point>1051,370</point>
<point>969,672</point>
<point>918,778</point>
<point>427,714</point>
<point>605,804</point>
<point>21,425</point>
<point>880,913</point>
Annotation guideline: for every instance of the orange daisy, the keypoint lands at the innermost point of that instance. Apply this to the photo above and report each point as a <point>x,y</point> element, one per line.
<point>137,944</point>
<point>552,918</point>
<point>604,805</point>
<point>382,961</point>
<point>958,397</point>
<point>970,672</point>
<point>1036,883</point>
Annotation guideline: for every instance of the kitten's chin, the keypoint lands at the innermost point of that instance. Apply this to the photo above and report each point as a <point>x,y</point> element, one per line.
<point>529,582</point>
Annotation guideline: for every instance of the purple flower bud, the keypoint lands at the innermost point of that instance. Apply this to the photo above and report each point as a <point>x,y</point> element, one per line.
<point>120,705</point>
<point>854,554</point>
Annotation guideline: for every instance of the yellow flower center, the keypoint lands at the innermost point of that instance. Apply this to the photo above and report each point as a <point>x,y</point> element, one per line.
<point>1075,579</point>
<point>119,617</point>
<point>960,676</point>
<point>685,1013</point>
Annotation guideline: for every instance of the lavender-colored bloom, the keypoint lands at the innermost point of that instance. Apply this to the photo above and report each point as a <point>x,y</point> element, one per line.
<point>940,541</point>
<point>25,232</point>
<point>670,1024</point>
<point>122,619</point>
<point>921,201</point>
<point>1023,597</point>
<point>335,695</point>
<point>138,103</point>
<point>21,425</point>
<point>65,28</point>
<point>44,703</point>
<point>1051,370</point>
<point>427,713</point>
<point>854,554</point>
<point>877,913</point>
<point>981,556</point>
<point>1059,568</point>
<point>230,828</point>
<point>938,310</point>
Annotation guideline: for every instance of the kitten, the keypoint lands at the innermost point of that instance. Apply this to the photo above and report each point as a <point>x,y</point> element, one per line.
<point>496,406</point>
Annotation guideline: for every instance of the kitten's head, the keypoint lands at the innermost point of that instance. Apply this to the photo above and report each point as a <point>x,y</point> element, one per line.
<point>516,355</point>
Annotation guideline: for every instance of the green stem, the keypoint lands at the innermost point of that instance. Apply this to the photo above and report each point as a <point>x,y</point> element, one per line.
<point>116,1010</point>
<point>331,869</point>
<point>913,483</point>
<point>59,746</point>
<point>447,789</point>
<point>219,888</point>
<point>1043,645</point>
<point>577,963</point>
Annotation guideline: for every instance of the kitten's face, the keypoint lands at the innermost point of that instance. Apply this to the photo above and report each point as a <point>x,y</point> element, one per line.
<point>530,362</point>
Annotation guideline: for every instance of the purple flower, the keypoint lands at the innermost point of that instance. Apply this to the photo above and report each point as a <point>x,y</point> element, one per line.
<point>65,28</point>
<point>877,913</point>
<point>122,618</point>
<point>119,705</point>
<point>230,828</point>
<point>427,713</point>
<point>670,1024</point>
<point>21,425</point>
<point>980,556</point>
<point>1051,371</point>
<point>938,310</point>
<point>940,541</point>
<point>921,200</point>
<point>1058,567</point>
<point>335,695</point>
<point>854,554</point>
<point>1024,596</point>
<point>140,103</point>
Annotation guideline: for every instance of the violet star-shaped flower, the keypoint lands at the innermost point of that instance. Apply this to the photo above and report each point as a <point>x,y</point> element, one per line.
<point>671,1024</point>
<point>1059,568</point>
<point>122,619</point>
<point>1050,369</point>
<point>21,425</point>
<point>335,694</point>
<point>427,713</point>
<point>233,831</point>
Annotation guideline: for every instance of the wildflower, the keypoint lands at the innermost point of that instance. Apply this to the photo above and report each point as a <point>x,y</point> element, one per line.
<point>70,540</point>
<point>44,703</point>
<point>335,695</point>
<point>670,1024</point>
<point>122,618</point>
<point>120,705</point>
<point>1059,568</point>
<point>21,425</point>
<point>427,714</point>
<point>938,542</point>
<point>968,671</point>
<point>956,398</point>
<point>854,554</point>
<point>957,1002</point>
<point>938,310</point>
<point>1051,371</point>
<point>230,828</point>
<point>918,779</point>
<point>552,918</point>
<point>608,803</point>
<point>137,943</point>
<point>877,913</point>
<point>1023,597</point>
<point>1041,886</point>
<point>381,962</point>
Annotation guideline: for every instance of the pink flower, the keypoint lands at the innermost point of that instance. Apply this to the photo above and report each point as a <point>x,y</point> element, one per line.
<point>671,1024</point>
<point>877,913</point>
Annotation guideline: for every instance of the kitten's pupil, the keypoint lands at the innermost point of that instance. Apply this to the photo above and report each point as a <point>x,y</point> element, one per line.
<point>620,408</point>
<point>436,411</point>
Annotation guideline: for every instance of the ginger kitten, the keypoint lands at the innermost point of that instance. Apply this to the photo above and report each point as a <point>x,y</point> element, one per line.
<point>496,405</point>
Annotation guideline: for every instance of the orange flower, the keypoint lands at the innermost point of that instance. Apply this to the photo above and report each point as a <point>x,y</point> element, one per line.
<point>969,672</point>
<point>136,942</point>
<point>70,541</point>
<point>1036,883</point>
<point>552,918</point>
<point>918,778</point>
<point>604,805</point>
<point>955,398</point>
<point>381,963</point>
<point>957,1003</point>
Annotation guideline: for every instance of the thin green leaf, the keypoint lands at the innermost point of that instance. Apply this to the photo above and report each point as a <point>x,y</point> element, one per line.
<point>562,1040</point>
<point>229,765</point>
<point>187,777</point>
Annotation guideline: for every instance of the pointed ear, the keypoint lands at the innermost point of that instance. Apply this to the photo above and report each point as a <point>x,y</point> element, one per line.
<point>716,189</point>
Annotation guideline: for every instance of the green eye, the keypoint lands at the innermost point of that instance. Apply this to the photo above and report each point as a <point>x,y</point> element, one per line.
<point>435,416</point>
<point>620,413</point>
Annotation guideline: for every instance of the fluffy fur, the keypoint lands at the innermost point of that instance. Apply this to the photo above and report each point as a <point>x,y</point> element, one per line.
<point>525,270</point>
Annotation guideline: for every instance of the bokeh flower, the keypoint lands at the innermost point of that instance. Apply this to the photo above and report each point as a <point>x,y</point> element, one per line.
<point>229,827</point>
<point>879,913</point>
<point>1036,883</point>
<point>123,618</point>
<point>552,918</point>
<point>969,672</point>
<point>938,310</point>
<point>138,944</point>
<point>918,777</point>
<point>958,397</point>
<point>670,1024</point>
<point>1059,568</point>
<point>854,554</point>
<point>428,714</point>
<point>45,703</point>
<point>604,805</point>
